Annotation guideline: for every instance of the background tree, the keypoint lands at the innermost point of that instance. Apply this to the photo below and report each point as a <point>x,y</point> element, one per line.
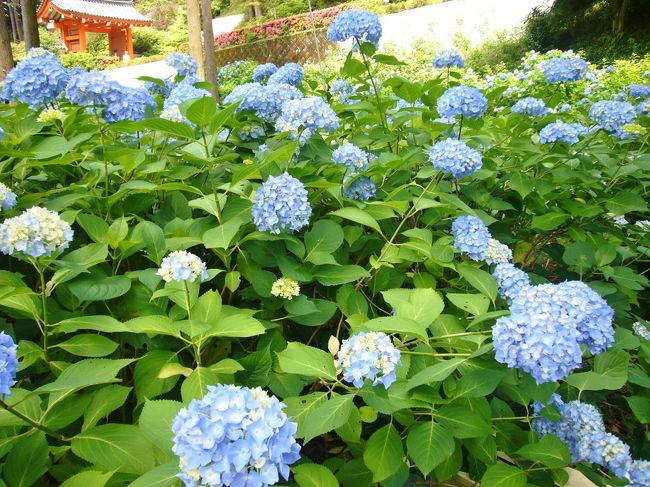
<point>30,25</point>
<point>6,57</point>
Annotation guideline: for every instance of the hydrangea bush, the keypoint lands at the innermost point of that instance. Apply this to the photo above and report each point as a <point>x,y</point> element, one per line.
<point>370,281</point>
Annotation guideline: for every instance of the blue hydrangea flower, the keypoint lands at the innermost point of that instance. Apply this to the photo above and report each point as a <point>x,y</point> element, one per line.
<point>341,90</point>
<point>265,101</point>
<point>281,205</point>
<point>592,314</point>
<point>8,364</point>
<point>360,189</point>
<point>455,157</point>
<point>128,104</point>
<point>531,106</point>
<point>471,236</point>
<point>644,107</point>
<point>36,232</point>
<point>615,455</point>
<point>250,132</point>
<point>37,80</point>
<point>462,100</point>
<point>565,69</point>
<point>362,25</point>
<point>561,132</point>
<point>371,356</point>
<point>611,115</point>
<point>182,266</point>
<point>91,88</point>
<point>639,91</point>
<point>234,436</point>
<point>638,473</point>
<point>7,198</point>
<point>351,156</point>
<point>304,117</point>
<point>510,280</point>
<point>641,330</point>
<point>497,253</point>
<point>262,72</point>
<point>157,89</point>
<point>2,133</point>
<point>183,91</point>
<point>184,65</point>
<point>289,74</point>
<point>448,58</point>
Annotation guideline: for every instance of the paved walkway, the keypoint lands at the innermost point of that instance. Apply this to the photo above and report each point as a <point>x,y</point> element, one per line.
<point>473,19</point>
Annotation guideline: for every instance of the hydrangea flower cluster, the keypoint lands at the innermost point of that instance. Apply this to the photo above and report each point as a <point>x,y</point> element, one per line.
<point>289,74</point>
<point>265,101</point>
<point>8,364</point>
<point>182,266</point>
<point>341,90</point>
<point>262,72</point>
<point>159,89</point>
<point>547,325</point>
<point>234,436</point>
<point>91,88</point>
<point>641,330</point>
<point>455,157</point>
<point>644,107</point>
<point>351,156</point>
<point>128,104</point>
<point>497,252</point>
<point>644,225</point>
<point>639,91</point>
<point>37,80</point>
<point>250,131</point>
<point>304,117</point>
<point>582,428</point>
<point>50,115</point>
<point>7,198</point>
<point>361,189</point>
<point>362,25</point>
<point>281,205</point>
<point>184,65</point>
<point>183,91</point>
<point>565,69</point>
<point>561,132</point>
<point>285,288</point>
<point>471,236</point>
<point>531,106</point>
<point>370,355</point>
<point>448,58</point>
<point>611,115</point>
<point>510,280</point>
<point>35,232</point>
<point>462,100</point>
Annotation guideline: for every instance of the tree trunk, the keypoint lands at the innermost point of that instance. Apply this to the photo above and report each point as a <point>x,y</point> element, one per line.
<point>12,20</point>
<point>30,25</point>
<point>257,8</point>
<point>18,23</point>
<point>194,29</point>
<point>6,58</point>
<point>208,43</point>
<point>620,12</point>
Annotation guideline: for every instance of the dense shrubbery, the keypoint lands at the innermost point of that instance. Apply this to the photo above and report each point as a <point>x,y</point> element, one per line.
<point>430,280</point>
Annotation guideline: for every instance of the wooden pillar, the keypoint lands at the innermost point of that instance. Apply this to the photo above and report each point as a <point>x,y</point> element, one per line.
<point>129,41</point>
<point>82,37</point>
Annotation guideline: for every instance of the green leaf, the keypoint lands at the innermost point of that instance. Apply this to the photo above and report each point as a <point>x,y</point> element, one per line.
<point>300,408</point>
<point>503,476</point>
<point>175,129</point>
<point>221,236</point>
<point>478,383</point>
<point>207,307</point>
<point>147,370</point>
<point>549,221</point>
<point>434,373</point>
<point>202,111</point>
<point>625,202</point>
<point>383,453</point>
<point>106,324</point>
<point>333,275</point>
<point>196,384</point>
<point>103,402</point>
<point>479,280</point>
<point>154,240</point>
<point>474,304</point>
<point>395,324</point>
<point>549,451</point>
<point>312,475</point>
<point>610,373</point>
<point>96,228</point>
<point>27,461</point>
<point>580,255</point>
<point>307,361</point>
<point>85,373</point>
<point>640,406</point>
<point>100,288</point>
<point>324,237</point>
<point>120,447</point>
<point>358,216</point>
<point>88,345</point>
<point>88,478</point>
<point>462,422</point>
<point>234,326</point>
<point>161,476</point>
<point>429,444</point>
<point>328,415</point>
<point>422,305</point>
<point>156,423</point>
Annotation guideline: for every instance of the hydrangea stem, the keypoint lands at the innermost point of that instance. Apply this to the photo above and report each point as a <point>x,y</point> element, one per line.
<point>43,293</point>
<point>33,423</point>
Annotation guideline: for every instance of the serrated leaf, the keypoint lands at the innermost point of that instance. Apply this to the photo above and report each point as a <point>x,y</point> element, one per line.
<point>383,453</point>
<point>503,476</point>
<point>429,444</point>
<point>329,415</point>
<point>300,359</point>
<point>549,451</point>
<point>312,475</point>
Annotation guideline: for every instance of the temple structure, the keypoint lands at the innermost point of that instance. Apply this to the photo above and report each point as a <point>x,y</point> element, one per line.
<point>75,18</point>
